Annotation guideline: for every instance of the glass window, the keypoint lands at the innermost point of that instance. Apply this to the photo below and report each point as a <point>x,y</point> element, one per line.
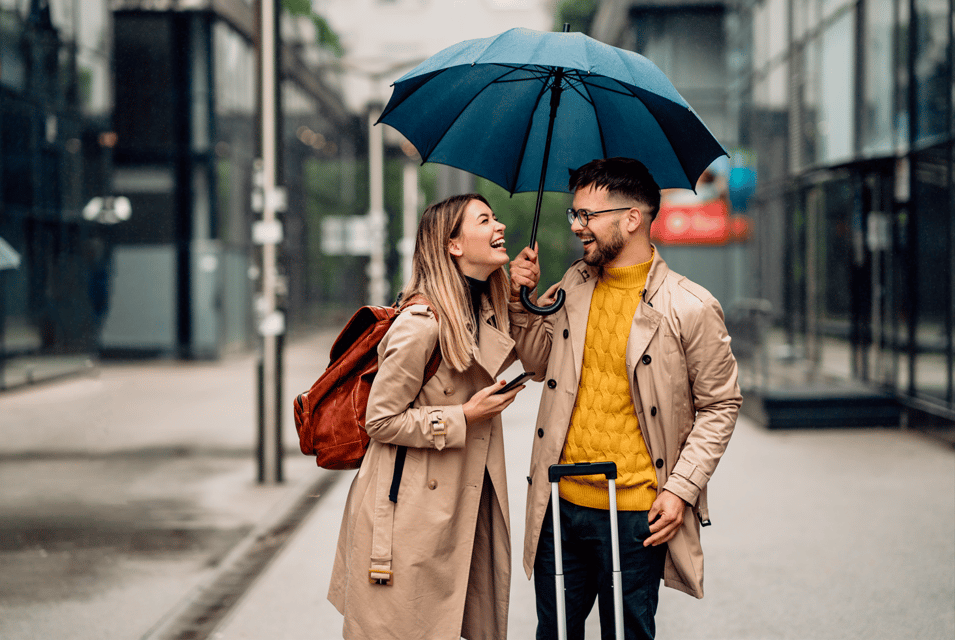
<point>13,64</point>
<point>778,31</point>
<point>807,140</point>
<point>876,108</point>
<point>199,84</point>
<point>830,7</point>
<point>93,59</point>
<point>836,122</point>
<point>932,224</point>
<point>932,73</point>
<point>234,72</point>
<point>805,17</point>
<point>145,88</point>
<point>63,18</point>
<point>760,39</point>
<point>902,76</point>
<point>836,248</point>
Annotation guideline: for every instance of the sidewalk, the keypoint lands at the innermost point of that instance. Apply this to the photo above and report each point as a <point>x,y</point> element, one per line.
<point>129,489</point>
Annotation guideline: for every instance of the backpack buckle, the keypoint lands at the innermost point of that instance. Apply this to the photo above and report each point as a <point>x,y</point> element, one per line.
<point>379,576</point>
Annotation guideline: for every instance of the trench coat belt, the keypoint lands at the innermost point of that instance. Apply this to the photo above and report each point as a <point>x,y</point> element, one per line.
<point>383,524</point>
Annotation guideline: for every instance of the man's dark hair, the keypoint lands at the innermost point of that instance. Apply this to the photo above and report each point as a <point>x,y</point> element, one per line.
<point>621,177</point>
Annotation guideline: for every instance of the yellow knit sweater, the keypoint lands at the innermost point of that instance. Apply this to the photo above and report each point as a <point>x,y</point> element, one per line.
<point>604,425</point>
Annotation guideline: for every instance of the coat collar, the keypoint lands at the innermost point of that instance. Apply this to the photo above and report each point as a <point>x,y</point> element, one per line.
<point>646,320</point>
<point>658,273</point>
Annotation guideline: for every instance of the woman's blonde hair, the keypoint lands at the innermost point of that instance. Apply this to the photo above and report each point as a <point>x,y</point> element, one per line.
<point>436,276</point>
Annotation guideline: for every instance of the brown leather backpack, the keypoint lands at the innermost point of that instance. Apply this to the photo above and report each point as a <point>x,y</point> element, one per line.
<point>330,416</point>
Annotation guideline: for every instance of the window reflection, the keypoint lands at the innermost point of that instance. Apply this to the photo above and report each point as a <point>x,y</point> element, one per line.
<point>932,72</point>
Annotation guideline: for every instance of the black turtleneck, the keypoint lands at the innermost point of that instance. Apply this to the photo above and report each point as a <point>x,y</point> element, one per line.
<point>477,288</point>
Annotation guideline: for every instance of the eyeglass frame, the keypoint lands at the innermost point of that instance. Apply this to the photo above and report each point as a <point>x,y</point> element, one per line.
<point>584,217</point>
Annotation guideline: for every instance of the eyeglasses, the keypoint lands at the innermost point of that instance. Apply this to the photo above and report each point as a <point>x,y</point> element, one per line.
<point>583,217</point>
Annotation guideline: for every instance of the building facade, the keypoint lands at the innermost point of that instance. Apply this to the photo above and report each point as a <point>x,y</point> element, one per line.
<point>844,110</point>
<point>128,161</point>
<point>848,108</point>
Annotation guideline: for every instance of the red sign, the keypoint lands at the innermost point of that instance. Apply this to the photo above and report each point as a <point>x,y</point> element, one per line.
<point>696,223</point>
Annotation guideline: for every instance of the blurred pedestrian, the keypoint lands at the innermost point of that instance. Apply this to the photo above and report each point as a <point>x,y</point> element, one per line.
<point>436,564</point>
<point>639,371</point>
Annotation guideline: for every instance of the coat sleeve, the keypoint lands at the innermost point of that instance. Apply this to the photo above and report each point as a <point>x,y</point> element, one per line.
<point>712,373</point>
<point>391,417</point>
<point>532,338</point>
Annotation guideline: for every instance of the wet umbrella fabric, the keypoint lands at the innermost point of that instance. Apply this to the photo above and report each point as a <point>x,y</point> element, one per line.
<point>523,107</point>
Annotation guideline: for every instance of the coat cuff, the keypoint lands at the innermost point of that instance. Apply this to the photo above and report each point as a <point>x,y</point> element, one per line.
<point>686,481</point>
<point>448,427</point>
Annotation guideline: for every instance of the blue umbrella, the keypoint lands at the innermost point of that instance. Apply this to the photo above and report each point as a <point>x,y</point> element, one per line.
<point>480,106</point>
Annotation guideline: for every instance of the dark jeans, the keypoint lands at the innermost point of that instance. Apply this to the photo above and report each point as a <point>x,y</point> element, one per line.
<point>585,541</point>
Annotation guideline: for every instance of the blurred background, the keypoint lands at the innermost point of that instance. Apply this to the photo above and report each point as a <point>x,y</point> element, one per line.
<point>151,313</point>
<point>130,138</point>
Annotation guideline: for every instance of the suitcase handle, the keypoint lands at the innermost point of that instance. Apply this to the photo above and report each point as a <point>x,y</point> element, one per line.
<point>555,473</point>
<point>558,471</point>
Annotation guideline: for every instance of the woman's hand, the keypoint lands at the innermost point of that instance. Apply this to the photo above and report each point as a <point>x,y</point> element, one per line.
<point>524,271</point>
<point>486,403</point>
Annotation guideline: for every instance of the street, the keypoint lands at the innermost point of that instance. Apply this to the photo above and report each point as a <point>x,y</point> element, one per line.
<point>129,496</point>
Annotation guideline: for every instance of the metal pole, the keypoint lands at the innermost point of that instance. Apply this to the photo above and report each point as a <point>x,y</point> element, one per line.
<point>377,286</point>
<point>273,322</point>
<point>410,217</point>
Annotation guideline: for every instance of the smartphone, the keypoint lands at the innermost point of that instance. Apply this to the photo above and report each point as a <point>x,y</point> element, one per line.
<point>516,382</point>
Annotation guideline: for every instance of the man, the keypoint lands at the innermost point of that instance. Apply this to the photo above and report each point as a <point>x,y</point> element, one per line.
<point>638,371</point>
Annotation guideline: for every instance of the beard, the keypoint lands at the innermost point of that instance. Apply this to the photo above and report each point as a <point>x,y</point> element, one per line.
<point>605,252</point>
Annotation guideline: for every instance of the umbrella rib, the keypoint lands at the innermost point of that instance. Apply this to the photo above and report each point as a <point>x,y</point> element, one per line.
<point>512,69</point>
<point>464,108</point>
<point>527,133</point>
<point>600,129</point>
<point>667,136</point>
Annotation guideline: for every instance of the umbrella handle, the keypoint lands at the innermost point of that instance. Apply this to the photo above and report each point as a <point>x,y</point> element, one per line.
<point>541,311</point>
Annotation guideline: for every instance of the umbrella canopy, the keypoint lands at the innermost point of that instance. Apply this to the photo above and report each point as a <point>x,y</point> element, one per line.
<point>523,107</point>
<point>483,106</point>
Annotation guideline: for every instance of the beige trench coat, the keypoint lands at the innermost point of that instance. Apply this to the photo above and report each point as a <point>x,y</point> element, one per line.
<point>683,382</point>
<point>423,545</point>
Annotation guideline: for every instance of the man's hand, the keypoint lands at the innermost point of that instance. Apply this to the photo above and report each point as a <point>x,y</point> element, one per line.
<point>666,518</point>
<point>525,272</point>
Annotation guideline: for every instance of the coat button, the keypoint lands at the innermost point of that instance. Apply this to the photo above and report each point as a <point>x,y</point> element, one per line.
<point>540,433</point>
<point>646,359</point>
<point>433,485</point>
<point>566,333</point>
<point>448,391</point>
<point>659,463</point>
<point>653,411</point>
<point>551,384</point>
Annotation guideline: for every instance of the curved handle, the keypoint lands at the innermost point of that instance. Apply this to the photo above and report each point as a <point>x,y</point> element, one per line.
<point>541,311</point>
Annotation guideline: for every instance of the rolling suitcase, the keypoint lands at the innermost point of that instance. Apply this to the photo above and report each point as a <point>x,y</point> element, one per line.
<point>609,470</point>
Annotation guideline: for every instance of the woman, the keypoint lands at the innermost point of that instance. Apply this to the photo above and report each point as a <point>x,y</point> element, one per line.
<point>435,565</point>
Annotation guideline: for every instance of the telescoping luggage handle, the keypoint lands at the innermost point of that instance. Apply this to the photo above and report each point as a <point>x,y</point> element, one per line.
<point>608,470</point>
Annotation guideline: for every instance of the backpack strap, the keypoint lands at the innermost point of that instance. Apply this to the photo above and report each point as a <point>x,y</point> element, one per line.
<point>429,370</point>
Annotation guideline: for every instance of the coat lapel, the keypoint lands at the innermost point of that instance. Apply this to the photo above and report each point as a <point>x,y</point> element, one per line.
<point>493,344</point>
<point>577,305</point>
<point>646,319</point>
